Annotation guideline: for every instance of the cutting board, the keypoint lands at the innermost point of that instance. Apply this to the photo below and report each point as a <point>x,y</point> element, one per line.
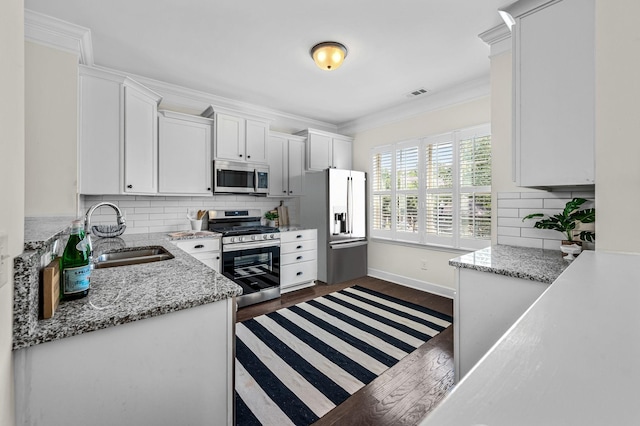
<point>50,288</point>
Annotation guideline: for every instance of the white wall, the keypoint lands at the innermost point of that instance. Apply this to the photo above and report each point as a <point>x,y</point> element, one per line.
<point>617,124</point>
<point>403,263</point>
<point>11,180</point>
<point>51,90</point>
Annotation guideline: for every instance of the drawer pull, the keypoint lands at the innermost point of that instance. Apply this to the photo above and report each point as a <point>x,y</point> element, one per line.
<point>298,236</point>
<point>199,246</point>
<point>298,273</point>
<point>299,247</point>
<point>299,257</point>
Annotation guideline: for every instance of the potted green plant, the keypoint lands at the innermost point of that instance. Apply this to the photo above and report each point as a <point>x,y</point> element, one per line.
<point>271,217</point>
<point>567,220</point>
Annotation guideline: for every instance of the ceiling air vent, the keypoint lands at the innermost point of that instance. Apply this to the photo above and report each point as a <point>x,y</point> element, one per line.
<point>417,92</point>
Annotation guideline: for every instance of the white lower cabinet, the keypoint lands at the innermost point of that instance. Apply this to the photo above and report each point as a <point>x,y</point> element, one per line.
<point>172,369</point>
<point>298,259</point>
<point>485,306</point>
<point>206,250</point>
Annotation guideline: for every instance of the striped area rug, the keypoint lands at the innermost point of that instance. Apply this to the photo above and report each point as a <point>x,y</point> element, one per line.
<point>296,364</point>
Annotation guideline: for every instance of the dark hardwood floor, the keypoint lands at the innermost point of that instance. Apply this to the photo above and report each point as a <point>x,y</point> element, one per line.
<point>406,392</point>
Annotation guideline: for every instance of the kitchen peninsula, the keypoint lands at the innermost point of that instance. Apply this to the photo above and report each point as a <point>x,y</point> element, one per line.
<point>94,362</point>
<point>570,359</point>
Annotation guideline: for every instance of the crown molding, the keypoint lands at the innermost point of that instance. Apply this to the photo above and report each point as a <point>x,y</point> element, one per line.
<point>460,93</point>
<point>59,34</point>
<point>498,38</point>
<point>522,7</point>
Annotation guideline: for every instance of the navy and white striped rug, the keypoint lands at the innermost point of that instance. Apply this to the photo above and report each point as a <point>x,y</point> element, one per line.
<point>296,364</point>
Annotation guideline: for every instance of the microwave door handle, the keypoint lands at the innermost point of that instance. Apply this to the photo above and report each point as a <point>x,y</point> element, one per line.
<point>255,180</point>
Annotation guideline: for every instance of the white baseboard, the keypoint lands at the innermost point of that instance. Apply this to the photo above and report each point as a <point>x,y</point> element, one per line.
<point>413,283</point>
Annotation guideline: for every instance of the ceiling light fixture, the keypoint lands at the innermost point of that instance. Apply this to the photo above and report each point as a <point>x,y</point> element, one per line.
<point>328,55</point>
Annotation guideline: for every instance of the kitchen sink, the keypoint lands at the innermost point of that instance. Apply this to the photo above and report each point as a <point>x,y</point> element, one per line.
<point>133,256</point>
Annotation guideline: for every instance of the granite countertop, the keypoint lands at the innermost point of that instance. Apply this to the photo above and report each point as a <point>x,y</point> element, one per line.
<point>118,295</point>
<point>518,262</point>
<point>571,359</point>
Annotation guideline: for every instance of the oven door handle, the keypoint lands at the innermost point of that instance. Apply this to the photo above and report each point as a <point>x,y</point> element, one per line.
<point>255,180</point>
<point>226,248</point>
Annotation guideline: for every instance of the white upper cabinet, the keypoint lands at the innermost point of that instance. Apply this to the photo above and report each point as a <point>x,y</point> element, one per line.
<point>184,154</point>
<point>327,150</point>
<point>99,133</point>
<point>554,92</point>
<point>239,137</point>
<point>140,140</point>
<point>118,134</point>
<point>286,165</point>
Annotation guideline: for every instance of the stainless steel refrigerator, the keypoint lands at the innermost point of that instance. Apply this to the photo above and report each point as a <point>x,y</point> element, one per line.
<point>335,204</point>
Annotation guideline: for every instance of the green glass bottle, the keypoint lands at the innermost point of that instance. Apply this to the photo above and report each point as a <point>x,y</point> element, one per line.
<point>75,264</point>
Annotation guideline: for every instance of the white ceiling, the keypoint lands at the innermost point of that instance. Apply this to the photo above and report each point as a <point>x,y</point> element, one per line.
<point>257,51</point>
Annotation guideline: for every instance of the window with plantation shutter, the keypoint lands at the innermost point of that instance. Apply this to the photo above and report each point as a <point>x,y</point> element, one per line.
<point>381,173</point>
<point>436,190</point>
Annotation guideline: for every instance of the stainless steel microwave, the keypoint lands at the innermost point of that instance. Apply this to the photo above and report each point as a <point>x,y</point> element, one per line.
<point>230,177</point>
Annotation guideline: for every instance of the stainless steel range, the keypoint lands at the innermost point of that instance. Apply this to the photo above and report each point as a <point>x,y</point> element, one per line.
<point>250,253</point>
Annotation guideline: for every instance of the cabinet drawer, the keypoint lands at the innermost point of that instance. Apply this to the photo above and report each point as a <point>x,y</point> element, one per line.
<point>200,245</point>
<point>298,273</point>
<point>301,256</point>
<point>298,246</point>
<point>302,235</point>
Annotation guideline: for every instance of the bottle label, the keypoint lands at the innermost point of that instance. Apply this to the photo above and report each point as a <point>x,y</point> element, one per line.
<point>75,280</point>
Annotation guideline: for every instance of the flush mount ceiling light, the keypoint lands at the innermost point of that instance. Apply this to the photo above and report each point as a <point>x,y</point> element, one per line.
<point>328,55</point>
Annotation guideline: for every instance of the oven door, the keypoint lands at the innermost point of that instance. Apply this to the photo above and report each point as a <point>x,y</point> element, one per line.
<point>253,266</point>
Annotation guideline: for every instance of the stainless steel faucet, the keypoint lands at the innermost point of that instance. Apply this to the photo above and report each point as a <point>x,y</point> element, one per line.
<point>103,230</point>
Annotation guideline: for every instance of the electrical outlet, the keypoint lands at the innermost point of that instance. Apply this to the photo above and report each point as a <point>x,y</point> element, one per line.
<point>4,259</point>
<point>423,264</point>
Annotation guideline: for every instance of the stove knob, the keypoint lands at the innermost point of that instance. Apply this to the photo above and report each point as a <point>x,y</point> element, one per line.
<point>272,236</point>
<point>254,237</point>
<point>265,236</point>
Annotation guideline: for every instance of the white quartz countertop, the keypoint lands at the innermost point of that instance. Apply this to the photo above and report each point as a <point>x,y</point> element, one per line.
<point>571,359</point>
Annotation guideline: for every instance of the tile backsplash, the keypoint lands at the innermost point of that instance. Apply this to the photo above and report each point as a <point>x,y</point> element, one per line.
<point>168,214</point>
<point>513,206</point>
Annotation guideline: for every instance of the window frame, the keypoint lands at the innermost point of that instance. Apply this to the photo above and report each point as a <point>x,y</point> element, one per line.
<point>455,241</point>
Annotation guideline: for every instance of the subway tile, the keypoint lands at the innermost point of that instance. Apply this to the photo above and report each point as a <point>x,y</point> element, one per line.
<point>531,203</point>
<point>508,231</point>
<point>507,195</point>
<point>548,234</point>
<point>511,222</point>
<point>165,228</point>
<point>149,197</point>
<point>507,212</point>
<point>134,203</point>
<point>527,212</point>
<point>557,203</point>
<point>589,195</point>
<point>139,210</point>
<point>546,194</point>
<point>156,216</point>
<point>145,223</point>
<point>520,242</point>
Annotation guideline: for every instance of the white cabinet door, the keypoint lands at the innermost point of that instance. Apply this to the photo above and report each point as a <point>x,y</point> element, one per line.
<point>184,144</point>
<point>278,166</point>
<point>318,152</point>
<point>554,88</point>
<point>296,167</point>
<point>230,137</point>
<point>99,135</point>
<point>257,133</point>
<point>341,154</point>
<point>140,142</point>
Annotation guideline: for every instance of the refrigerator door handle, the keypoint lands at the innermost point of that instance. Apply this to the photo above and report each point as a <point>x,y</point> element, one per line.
<point>349,205</point>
